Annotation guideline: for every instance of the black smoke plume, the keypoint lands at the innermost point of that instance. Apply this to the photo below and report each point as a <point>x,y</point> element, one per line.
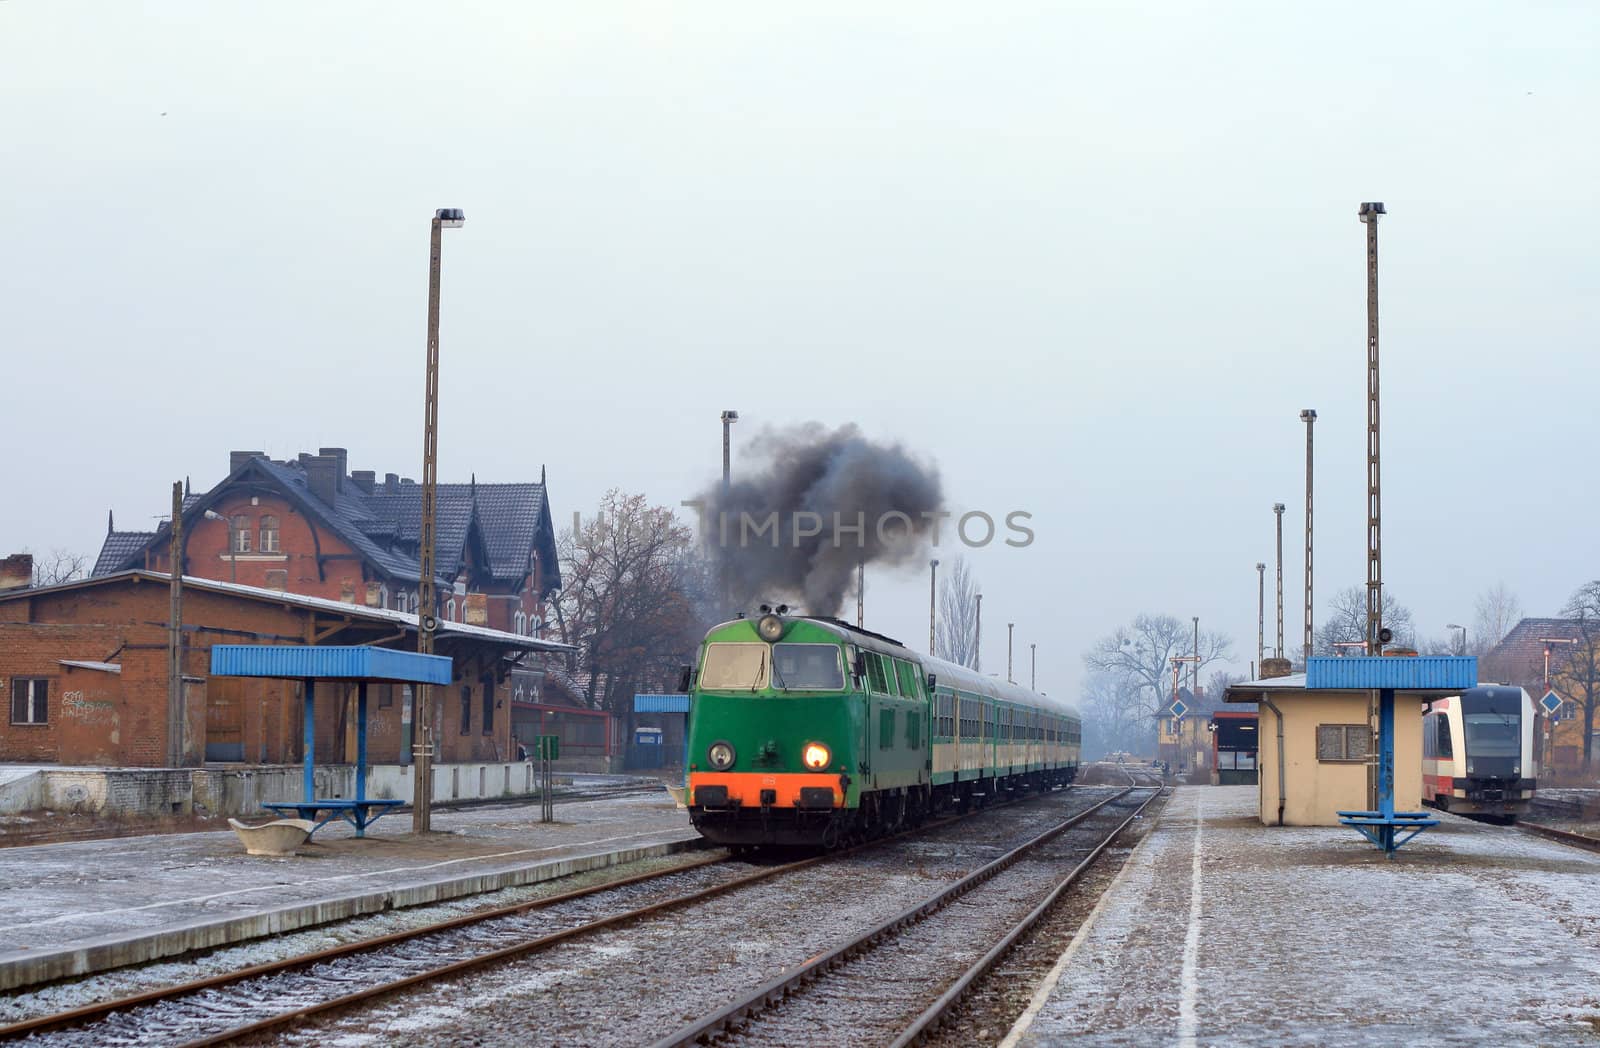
<point>792,481</point>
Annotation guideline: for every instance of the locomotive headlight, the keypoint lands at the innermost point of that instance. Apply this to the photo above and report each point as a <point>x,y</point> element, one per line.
<point>720,754</point>
<point>816,756</point>
<point>770,628</point>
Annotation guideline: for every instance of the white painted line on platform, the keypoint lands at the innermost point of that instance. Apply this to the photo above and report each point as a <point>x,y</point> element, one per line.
<point>1042,995</point>
<point>1188,1024</point>
<point>320,880</point>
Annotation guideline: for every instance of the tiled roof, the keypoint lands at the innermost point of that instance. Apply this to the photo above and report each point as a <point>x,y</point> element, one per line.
<point>119,548</point>
<point>1519,657</point>
<point>510,522</point>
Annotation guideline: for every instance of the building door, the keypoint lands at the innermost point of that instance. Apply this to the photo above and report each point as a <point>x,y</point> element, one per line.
<point>224,720</point>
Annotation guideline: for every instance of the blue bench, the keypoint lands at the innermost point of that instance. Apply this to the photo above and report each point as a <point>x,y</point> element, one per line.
<point>358,813</point>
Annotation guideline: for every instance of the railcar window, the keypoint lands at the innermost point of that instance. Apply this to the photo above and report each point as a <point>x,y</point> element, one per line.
<point>909,679</point>
<point>734,667</point>
<point>807,667</point>
<point>1493,734</point>
<point>1444,745</point>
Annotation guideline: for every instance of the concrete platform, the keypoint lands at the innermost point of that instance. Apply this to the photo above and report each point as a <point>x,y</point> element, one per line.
<point>70,909</point>
<point>1222,931</point>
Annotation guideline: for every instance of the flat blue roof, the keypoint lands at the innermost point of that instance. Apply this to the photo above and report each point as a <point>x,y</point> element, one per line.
<point>329,662</point>
<point>1400,672</point>
<point>661,704</point>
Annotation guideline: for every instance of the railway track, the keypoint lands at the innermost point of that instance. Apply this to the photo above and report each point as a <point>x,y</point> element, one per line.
<point>1577,840</point>
<point>250,1002</point>
<point>851,990</point>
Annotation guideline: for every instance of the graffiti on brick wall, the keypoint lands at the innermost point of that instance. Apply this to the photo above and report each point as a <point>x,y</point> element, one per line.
<point>90,711</point>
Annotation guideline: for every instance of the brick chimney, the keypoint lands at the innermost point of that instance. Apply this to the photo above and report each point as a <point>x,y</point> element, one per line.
<point>343,458</point>
<point>239,458</point>
<point>16,571</point>
<point>363,479</point>
<point>322,477</point>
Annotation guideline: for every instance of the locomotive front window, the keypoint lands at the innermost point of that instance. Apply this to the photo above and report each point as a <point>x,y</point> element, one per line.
<point>1493,735</point>
<point>807,667</point>
<point>734,667</point>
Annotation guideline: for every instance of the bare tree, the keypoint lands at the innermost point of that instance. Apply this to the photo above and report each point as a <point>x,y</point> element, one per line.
<point>1578,679</point>
<point>1216,689</point>
<point>1497,610</point>
<point>58,566</point>
<point>634,597</point>
<point>957,631</point>
<point>1346,621</point>
<point>1143,651</point>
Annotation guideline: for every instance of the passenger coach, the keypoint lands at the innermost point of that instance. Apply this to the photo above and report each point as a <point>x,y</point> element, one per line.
<point>807,730</point>
<point>1477,753</point>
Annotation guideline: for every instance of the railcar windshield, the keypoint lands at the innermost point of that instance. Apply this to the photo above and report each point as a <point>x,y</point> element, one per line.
<point>1493,735</point>
<point>734,667</point>
<point>807,667</point>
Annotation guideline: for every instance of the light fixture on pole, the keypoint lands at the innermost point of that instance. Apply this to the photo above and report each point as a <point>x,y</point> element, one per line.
<point>1461,648</point>
<point>1548,750</point>
<point>233,546</point>
<point>933,601</point>
<point>1011,628</point>
<point>1194,671</point>
<point>1033,667</point>
<point>427,619</point>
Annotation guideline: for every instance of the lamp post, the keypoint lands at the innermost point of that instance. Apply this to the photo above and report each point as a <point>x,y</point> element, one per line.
<point>1309,417</point>
<point>176,713</point>
<point>1261,614</point>
<point>977,638</point>
<point>933,604</point>
<point>1461,648</point>
<point>728,419</point>
<point>427,621</point>
<point>1011,628</point>
<point>1277,511</point>
<point>1369,217</point>
<point>1033,667</point>
<point>233,549</point>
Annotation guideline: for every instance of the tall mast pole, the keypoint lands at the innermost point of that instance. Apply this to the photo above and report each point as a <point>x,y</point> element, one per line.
<point>1261,614</point>
<point>933,603</point>
<point>1369,217</point>
<point>861,594</point>
<point>977,639</point>
<point>1309,417</point>
<point>1277,512</point>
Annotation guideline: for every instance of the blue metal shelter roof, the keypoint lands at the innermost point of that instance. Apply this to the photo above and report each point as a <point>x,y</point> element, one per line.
<point>330,662</point>
<point>1422,672</point>
<point>661,704</point>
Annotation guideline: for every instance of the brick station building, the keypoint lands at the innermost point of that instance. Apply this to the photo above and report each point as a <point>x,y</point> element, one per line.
<point>309,525</point>
<point>85,668</point>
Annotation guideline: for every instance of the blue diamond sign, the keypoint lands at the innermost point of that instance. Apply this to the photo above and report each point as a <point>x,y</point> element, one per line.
<point>1177,709</point>
<point>1551,702</point>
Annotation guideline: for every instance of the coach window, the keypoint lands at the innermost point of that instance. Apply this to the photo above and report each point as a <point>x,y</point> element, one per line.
<point>30,700</point>
<point>1444,747</point>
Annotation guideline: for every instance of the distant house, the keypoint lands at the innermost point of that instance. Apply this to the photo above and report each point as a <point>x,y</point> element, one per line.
<point>1519,659</point>
<point>310,526</point>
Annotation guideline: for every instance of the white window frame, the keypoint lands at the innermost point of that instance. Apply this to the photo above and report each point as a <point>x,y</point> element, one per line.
<point>38,705</point>
<point>241,534</point>
<point>276,545</point>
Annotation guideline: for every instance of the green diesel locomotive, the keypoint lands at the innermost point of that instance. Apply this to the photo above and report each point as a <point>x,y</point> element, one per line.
<point>809,731</point>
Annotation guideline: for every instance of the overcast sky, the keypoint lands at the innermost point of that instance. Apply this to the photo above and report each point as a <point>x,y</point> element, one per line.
<point>1089,259</point>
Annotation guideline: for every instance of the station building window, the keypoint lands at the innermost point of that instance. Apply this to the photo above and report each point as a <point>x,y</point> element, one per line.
<point>1342,743</point>
<point>30,700</point>
<point>466,709</point>
<point>269,534</point>
<point>241,533</point>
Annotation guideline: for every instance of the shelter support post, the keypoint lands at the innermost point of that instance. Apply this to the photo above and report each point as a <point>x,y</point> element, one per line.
<point>310,748</point>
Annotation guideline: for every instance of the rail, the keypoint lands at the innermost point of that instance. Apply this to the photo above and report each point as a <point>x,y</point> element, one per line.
<point>774,990</point>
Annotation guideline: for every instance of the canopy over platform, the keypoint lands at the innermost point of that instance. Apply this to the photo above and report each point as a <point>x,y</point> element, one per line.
<point>309,663</point>
<point>333,662</point>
